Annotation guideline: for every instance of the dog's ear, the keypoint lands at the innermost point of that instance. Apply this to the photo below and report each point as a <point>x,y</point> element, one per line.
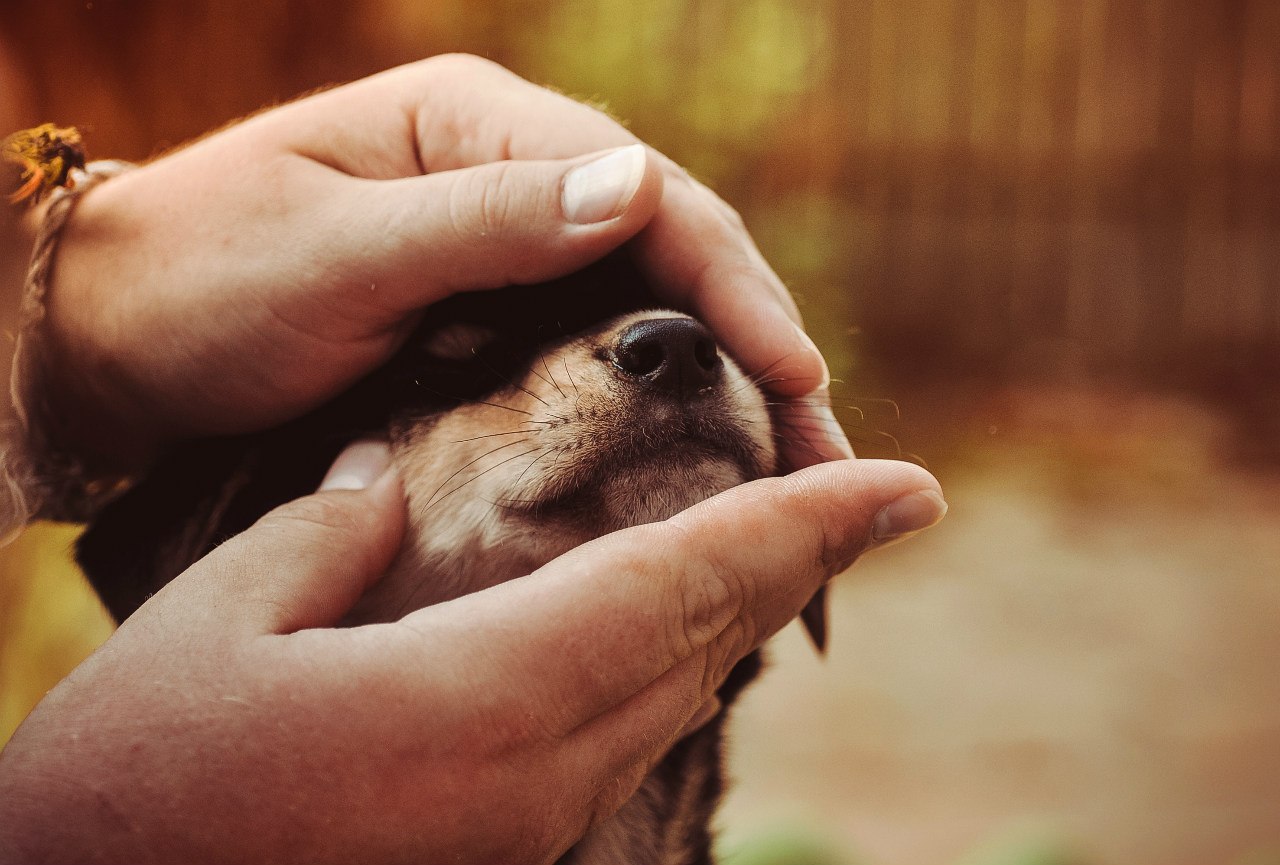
<point>199,496</point>
<point>814,619</point>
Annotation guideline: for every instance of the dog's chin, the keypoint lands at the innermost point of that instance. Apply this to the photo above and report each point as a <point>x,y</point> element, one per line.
<point>468,548</point>
<point>654,489</point>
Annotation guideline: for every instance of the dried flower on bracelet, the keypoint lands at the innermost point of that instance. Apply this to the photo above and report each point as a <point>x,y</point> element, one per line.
<point>46,156</point>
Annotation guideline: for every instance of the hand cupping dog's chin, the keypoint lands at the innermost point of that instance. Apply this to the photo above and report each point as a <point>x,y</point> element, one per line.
<point>575,447</point>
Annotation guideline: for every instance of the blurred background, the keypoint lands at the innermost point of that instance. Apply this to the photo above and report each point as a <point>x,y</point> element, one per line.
<point>1039,241</point>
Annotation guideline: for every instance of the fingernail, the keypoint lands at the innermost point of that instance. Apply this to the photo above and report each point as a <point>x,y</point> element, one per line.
<point>811,346</point>
<point>602,189</point>
<point>907,515</point>
<point>358,466</point>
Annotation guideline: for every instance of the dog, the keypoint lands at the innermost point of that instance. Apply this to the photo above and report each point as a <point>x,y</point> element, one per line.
<point>523,422</point>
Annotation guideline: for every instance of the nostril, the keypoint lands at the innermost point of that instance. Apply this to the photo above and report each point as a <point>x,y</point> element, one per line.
<point>706,355</point>
<point>640,357</point>
<point>675,355</point>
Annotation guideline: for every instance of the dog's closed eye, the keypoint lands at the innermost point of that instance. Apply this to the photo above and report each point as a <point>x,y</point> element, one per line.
<point>458,341</point>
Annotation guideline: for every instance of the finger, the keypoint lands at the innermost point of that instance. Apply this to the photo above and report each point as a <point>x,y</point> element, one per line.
<point>421,239</point>
<point>458,111</point>
<point>728,285</point>
<point>445,112</point>
<point>696,250</point>
<point>734,220</point>
<point>667,609</point>
<point>305,563</point>
<point>734,295</point>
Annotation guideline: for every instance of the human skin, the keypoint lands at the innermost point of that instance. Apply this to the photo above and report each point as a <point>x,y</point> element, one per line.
<point>249,277</point>
<point>228,721</point>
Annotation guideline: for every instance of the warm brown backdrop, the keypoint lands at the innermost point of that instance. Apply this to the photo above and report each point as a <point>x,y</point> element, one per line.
<point>1048,229</point>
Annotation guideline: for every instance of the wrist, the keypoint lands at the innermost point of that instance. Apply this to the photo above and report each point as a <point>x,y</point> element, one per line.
<point>71,441</point>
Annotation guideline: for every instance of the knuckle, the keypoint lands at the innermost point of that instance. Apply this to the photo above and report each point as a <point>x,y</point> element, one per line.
<point>733,644</point>
<point>736,271</point>
<point>615,794</point>
<point>498,198</point>
<point>836,550</point>
<point>462,65</point>
<point>520,725</point>
<point>726,211</point>
<point>522,732</point>
<point>483,203</point>
<point>712,602</point>
<point>735,218</point>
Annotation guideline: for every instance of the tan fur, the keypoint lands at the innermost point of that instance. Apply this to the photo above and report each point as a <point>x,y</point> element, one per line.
<point>475,476</point>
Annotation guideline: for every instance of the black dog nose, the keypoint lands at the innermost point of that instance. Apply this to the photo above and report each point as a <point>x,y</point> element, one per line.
<point>676,355</point>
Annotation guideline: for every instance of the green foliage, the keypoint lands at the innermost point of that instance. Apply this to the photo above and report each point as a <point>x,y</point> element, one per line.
<point>707,81</point>
<point>49,619</point>
<point>792,846</point>
<point>1023,848</point>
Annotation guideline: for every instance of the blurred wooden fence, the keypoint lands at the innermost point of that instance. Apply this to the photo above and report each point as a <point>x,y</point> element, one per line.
<point>1055,186</point>
<point>1008,186</point>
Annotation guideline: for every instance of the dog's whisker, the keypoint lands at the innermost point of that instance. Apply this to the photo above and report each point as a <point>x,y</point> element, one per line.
<point>551,376</point>
<point>577,392</point>
<point>802,443</point>
<point>775,380</point>
<point>881,400</point>
<point>868,437</point>
<point>510,382</point>
<point>767,371</point>
<point>796,407</point>
<point>897,445</point>
<point>814,416</point>
<point>492,435</point>
<point>477,475</point>
<point>533,370</point>
<point>418,585</point>
<point>532,463</point>
<point>500,405</point>
<point>431,500</point>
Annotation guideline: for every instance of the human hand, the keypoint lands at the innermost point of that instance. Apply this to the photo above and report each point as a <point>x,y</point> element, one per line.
<point>227,721</point>
<point>251,276</point>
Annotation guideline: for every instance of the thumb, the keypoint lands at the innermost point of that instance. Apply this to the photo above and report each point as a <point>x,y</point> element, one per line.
<point>304,564</point>
<point>502,223</point>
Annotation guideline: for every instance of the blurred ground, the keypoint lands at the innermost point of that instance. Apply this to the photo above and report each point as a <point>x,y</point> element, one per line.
<point>1084,653</point>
